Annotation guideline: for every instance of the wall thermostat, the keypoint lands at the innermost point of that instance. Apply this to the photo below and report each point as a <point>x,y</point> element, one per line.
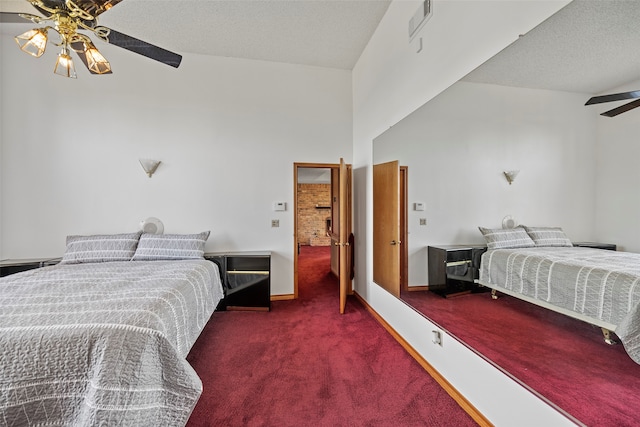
<point>418,206</point>
<point>279,206</point>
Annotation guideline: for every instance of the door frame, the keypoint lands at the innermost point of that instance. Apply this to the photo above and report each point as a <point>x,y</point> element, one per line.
<point>296,165</point>
<point>404,228</point>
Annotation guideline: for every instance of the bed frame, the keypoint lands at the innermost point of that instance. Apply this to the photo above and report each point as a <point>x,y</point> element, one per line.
<point>607,328</point>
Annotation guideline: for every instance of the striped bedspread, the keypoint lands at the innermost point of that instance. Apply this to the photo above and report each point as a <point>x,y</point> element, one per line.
<point>598,284</point>
<point>103,343</point>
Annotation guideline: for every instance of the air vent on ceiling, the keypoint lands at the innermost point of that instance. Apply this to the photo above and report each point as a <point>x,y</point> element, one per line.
<point>421,16</point>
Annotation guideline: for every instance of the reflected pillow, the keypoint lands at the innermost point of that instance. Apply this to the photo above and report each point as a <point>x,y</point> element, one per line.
<point>501,238</point>
<point>100,248</point>
<point>155,247</point>
<point>548,236</point>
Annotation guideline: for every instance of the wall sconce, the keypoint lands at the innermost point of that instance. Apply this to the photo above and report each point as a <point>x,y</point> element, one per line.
<point>149,165</point>
<point>511,175</point>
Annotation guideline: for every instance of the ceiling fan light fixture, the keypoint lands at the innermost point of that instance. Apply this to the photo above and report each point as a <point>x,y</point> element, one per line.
<point>64,65</point>
<point>68,19</point>
<point>95,60</point>
<point>33,42</point>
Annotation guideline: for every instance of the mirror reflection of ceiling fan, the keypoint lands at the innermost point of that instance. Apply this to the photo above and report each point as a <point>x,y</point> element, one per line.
<point>67,18</point>
<point>617,97</point>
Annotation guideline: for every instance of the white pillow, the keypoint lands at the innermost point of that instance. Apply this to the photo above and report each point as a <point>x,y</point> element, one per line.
<point>501,238</point>
<point>548,236</point>
<point>154,247</point>
<point>100,248</point>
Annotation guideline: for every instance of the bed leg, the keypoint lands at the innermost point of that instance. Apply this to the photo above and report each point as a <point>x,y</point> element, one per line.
<point>494,294</point>
<point>607,337</point>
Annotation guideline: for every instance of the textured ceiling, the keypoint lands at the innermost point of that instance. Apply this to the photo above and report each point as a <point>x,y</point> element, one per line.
<point>588,46</point>
<point>326,33</point>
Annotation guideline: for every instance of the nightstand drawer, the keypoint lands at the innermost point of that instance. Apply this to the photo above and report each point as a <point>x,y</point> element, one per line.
<point>249,263</point>
<point>458,256</point>
<point>242,279</point>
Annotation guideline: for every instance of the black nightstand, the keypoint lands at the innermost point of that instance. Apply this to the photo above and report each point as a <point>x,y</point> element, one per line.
<point>596,245</point>
<point>246,278</point>
<point>452,270</point>
<point>12,266</point>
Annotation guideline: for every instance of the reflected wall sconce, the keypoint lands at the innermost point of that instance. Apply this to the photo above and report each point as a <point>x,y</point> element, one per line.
<point>511,175</point>
<point>149,165</point>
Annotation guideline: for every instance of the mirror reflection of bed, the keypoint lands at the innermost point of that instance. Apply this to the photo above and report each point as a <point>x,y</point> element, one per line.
<point>524,110</point>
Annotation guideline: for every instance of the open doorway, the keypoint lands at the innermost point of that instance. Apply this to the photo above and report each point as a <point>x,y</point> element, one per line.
<point>330,224</point>
<point>314,225</point>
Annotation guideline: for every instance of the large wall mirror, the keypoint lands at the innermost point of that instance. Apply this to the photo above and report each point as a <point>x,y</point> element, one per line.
<point>524,110</point>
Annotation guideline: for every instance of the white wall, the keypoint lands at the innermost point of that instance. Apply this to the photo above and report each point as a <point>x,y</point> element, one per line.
<point>458,145</point>
<point>618,176</point>
<point>226,130</point>
<point>390,81</point>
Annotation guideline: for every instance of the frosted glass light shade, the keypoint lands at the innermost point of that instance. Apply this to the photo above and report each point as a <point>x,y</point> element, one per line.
<point>96,61</point>
<point>149,166</point>
<point>33,42</point>
<point>64,65</point>
<point>511,175</point>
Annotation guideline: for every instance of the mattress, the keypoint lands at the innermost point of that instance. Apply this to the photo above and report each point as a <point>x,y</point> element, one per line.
<point>103,343</point>
<point>596,285</point>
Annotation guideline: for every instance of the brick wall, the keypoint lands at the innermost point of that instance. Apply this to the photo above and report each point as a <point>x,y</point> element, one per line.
<point>312,221</point>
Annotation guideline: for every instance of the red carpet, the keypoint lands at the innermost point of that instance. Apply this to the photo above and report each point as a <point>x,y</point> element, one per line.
<point>559,357</point>
<point>304,364</point>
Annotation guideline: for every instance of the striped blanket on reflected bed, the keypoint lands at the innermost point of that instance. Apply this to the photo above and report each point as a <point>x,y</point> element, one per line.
<point>599,284</point>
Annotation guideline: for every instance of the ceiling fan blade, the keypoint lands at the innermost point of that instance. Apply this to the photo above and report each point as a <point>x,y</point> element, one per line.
<point>12,18</point>
<point>78,48</point>
<point>614,97</point>
<point>623,108</point>
<point>144,48</point>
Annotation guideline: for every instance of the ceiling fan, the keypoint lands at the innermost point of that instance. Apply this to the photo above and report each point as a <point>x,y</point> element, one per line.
<point>66,18</point>
<point>617,97</point>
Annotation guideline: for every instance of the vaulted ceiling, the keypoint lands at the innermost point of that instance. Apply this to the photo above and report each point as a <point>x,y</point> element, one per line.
<point>589,46</point>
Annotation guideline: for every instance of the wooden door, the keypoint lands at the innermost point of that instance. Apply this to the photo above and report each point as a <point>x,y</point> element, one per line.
<point>341,249</point>
<point>344,231</point>
<point>386,226</point>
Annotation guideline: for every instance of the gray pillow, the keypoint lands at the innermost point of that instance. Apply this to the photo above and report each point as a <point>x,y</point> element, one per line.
<point>548,236</point>
<point>154,247</point>
<point>501,238</point>
<point>100,248</point>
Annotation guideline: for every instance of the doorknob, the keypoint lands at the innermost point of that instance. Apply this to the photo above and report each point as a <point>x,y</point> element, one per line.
<point>395,242</point>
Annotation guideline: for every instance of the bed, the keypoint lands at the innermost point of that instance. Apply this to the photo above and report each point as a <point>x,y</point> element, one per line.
<point>103,343</point>
<point>597,286</point>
